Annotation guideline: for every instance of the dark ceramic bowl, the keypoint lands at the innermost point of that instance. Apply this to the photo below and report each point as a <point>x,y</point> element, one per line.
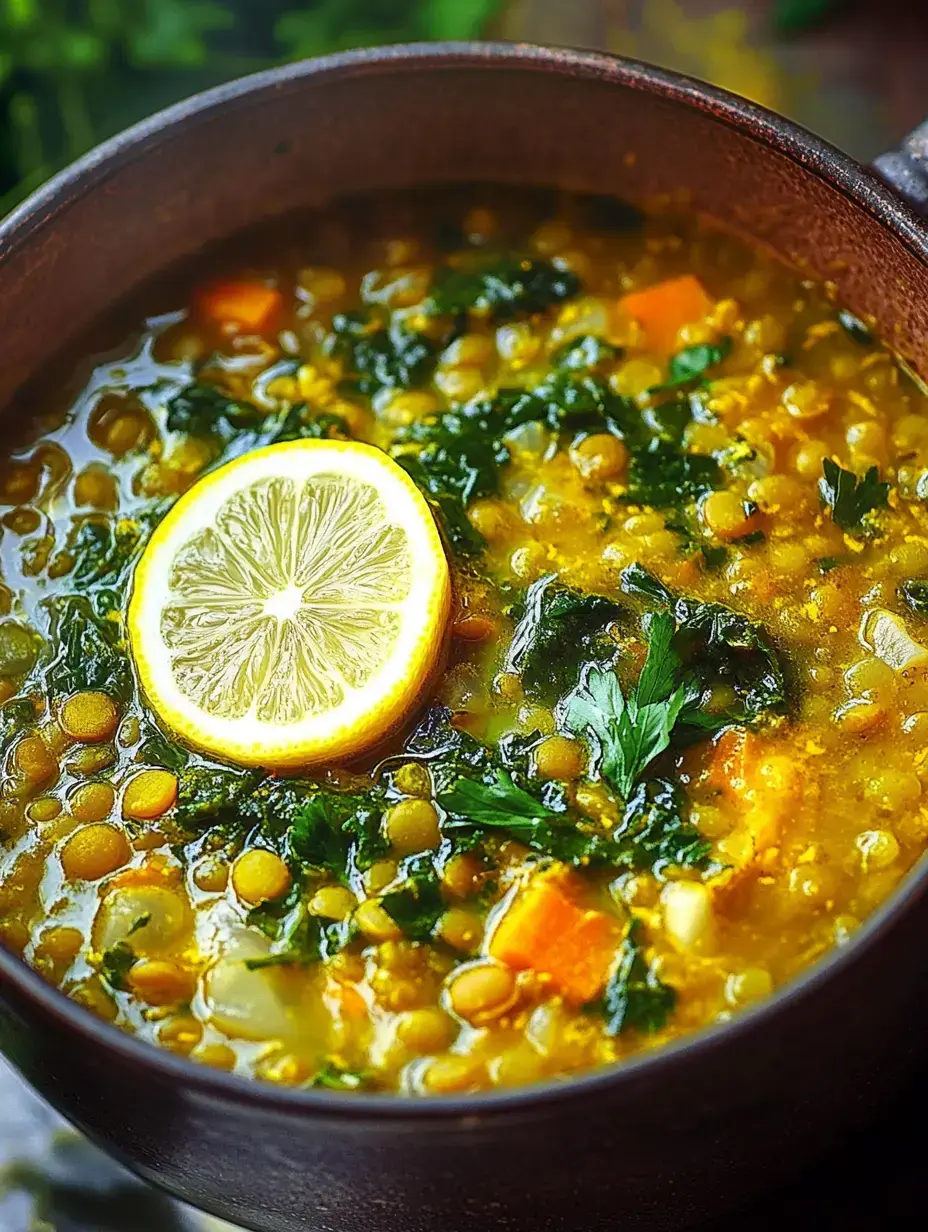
<point>668,1138</point>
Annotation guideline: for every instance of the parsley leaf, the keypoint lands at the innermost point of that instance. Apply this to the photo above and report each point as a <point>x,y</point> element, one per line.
<point>497,802</point>
<point>850,499</point>
<point>627,734</point>
<point>692,363</point>
<point>635,998</point>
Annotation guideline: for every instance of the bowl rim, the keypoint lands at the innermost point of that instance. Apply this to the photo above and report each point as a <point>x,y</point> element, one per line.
<point>766,128</point>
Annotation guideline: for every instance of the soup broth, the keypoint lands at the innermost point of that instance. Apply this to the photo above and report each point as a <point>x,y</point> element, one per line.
<point>677,746</point>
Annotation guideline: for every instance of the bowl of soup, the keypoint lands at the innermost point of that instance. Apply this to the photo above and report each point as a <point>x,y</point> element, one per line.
<point>464,644</point>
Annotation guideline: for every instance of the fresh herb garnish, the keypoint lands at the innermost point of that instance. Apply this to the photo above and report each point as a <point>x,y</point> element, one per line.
<point>852,501</point>
<point>627,733</point>
<point>636,999</point>
<point>692,363</point>
<point>498,803</point>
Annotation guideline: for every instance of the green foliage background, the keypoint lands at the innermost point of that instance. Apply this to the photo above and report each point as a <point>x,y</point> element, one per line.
<point>75,71</point>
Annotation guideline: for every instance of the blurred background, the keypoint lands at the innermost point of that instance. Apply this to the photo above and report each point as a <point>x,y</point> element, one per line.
<point>73,72</point>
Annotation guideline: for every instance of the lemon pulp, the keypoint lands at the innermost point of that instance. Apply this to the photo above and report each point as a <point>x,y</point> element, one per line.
<point>291,605</point>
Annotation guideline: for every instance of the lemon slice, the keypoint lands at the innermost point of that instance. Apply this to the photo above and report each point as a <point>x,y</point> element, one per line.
<point>292,605</point>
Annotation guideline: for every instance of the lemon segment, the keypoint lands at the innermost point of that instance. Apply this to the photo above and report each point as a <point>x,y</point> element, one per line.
<point>291,606</point>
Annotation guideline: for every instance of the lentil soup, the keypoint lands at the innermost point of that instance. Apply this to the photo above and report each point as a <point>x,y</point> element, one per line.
<point>676,751</point>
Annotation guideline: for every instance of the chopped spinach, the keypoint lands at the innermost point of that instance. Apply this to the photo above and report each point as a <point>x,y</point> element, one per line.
<point>503,290</point>
<point>300,424</point>
<point>201,409</point>
<point>655,830</point>
<point>459,451</point>
<point>914,593</point>
<point>716,646</point>
<point>559,629</point>
<point>330,830</point>
<point>447,507</point>
<point>381,353</point>
<point>417,905</point>
<point>828,564</point>
<point>664,476</point>
<point>157,749</point>
<point>585,354</point>
<point>105,550</point>
<point>852,501</point>
<point>116,964</point>
<point>214,796</point>
<point>855,328</point>
<point>90,654</point>
<point>569,401</point>
<point>636,999</point>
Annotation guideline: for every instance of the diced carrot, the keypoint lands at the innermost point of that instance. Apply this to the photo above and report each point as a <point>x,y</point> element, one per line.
<point>248,305</point>
<point>733,762</point>
<point>545,932</point>
<point>662,309</point>
<point>345,1000</point>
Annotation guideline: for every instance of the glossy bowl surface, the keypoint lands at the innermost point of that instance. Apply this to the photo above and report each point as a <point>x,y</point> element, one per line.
<point>668,1138</point>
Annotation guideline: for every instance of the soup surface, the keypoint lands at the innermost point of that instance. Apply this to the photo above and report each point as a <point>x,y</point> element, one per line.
<point>676,750</point>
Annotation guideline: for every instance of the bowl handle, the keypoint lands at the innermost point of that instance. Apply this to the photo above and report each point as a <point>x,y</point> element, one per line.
<point>906,169</point>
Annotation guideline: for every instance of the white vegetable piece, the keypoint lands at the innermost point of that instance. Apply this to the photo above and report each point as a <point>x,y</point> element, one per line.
<point>885,634</point>
<point>246,1004</point>
<point>689,917</point>
<point>152,919</point>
